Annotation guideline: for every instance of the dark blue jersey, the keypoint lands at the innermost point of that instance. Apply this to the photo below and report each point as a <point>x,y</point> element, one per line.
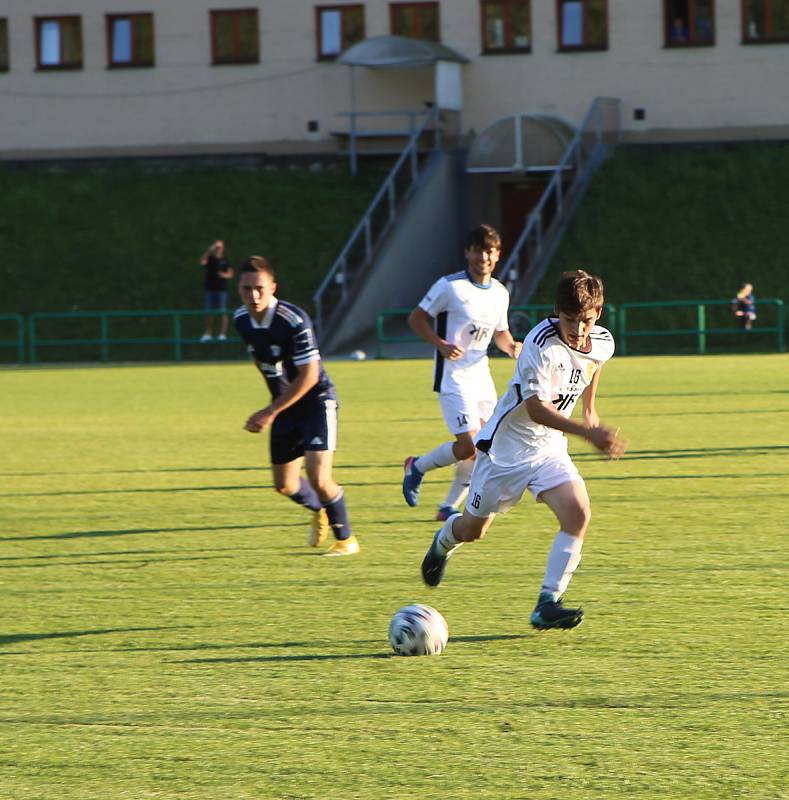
<point>281,343</point>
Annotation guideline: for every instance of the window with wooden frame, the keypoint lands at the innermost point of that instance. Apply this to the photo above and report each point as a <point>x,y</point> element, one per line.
<point>58,42</point>
<point>234,36</point>
<point>506,26</point>
<point>337,28</point>
<point>582,24</point>
<point>129,40</point>
<point>765,21</point>
<point>415,20</point>
<point>3,44</point>
<point>689,23</point>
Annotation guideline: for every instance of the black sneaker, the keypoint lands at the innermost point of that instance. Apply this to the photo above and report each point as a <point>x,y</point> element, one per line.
<point>434,563</point>
<point>550,613</point>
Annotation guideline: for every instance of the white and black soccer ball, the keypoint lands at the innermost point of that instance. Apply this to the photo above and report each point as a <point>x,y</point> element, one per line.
<point>418,630</point>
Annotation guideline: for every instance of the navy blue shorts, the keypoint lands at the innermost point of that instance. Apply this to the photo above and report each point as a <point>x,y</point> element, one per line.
<point>215,301</point>
<point>315,430</point>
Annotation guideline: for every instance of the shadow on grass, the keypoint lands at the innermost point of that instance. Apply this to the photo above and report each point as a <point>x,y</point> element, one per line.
<point>454,640</point>
<point>137,531</point>
<point>15,638</point>
<point>694,452</point>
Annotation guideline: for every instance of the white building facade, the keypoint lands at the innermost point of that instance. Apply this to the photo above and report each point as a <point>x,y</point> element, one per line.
<point>108,77</point>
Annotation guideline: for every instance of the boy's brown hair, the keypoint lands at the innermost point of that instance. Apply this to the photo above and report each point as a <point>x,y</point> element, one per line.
<point>484,236</point>
<point>257,264</point>
<point>579,291</point>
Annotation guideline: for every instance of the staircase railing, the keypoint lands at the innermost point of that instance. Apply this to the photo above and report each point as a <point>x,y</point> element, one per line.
<point>528,260</point>
<point>357,254</point>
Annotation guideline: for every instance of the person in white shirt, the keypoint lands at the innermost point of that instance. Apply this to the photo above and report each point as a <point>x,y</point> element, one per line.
<point>523,445</point>
<point>459,316</point>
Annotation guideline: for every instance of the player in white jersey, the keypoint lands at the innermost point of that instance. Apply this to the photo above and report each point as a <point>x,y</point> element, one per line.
<point>523,445</point>
<point>459,316</point>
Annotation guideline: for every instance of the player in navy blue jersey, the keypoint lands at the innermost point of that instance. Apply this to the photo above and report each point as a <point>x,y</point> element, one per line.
<point>302,413</point>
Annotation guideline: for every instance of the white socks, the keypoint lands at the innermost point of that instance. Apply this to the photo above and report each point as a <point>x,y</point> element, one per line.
<point>458,489</point>
<point>442,456</point>
<point>563,559</point>
<point>446,541</point>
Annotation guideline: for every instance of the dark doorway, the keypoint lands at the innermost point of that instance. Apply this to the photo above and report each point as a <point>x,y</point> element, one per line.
<point>517,202</point>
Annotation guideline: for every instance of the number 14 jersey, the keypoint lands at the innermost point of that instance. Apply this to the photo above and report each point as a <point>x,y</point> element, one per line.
<point>467,314</point>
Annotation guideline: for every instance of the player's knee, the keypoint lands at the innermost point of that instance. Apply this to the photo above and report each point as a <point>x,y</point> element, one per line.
<point>463,449</point>
<point>325,486</point>
<point>288,489</point>
<point>468,528</point>
<point>577,518</point>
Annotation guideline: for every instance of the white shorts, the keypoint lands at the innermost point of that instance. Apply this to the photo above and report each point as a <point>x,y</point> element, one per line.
<point>466,412</point>
<point>495,489</point>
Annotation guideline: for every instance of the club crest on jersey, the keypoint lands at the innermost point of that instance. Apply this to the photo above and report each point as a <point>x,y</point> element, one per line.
<point>276,350</point>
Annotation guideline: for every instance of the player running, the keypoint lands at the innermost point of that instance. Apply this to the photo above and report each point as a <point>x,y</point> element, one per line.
<point>459,316</point>
<point>303,409</point>
<point>523,447</point>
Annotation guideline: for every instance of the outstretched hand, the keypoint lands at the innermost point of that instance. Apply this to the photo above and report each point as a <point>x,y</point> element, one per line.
<point>607,441</point>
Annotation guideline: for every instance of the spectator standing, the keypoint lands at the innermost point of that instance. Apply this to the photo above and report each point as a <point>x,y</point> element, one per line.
<point>744,305</point>
<point>217,272</point>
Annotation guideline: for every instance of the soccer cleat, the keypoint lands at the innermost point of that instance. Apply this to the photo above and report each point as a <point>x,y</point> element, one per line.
<point>221,338</point>
<point>206,337</point>
<point>412,481</point>
<point>319,529</point>
<point>344,547</point>
<point>445,512</point>
<point>550,613</point>
<point>434,563</point>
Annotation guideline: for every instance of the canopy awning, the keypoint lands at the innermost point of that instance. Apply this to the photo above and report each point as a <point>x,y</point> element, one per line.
<point>398,51</point>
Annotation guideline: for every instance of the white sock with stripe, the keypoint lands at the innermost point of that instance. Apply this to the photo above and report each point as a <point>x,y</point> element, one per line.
<point>563,560</point>
<point>442,456</point>
<point>446,541</point>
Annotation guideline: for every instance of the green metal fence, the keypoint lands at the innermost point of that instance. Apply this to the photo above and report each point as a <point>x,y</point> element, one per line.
<point>104,338</point>
<point>700,331</point>
<point>18,341</point>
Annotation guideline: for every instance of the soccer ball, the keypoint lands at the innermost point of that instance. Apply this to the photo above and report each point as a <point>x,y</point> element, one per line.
<point>358,355</point>
<point>418,630</point>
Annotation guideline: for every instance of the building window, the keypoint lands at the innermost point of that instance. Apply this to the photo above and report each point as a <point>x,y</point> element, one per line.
<point>506,26</point>
<point>765,21</point>
<point>338,27</point>
<point>3,44</point>
<point>415,20</point>
<point>58,42</point>
<point>689,23</point>
<point>583,24</point>
<point>130,40</point>
<point>234,36</point>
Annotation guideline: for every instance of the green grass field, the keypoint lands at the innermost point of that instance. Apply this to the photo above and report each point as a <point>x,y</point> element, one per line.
<point>166,633</point>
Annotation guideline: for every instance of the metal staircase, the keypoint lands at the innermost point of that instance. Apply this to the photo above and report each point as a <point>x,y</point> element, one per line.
<point>352,265</point>
<point>546,224</point>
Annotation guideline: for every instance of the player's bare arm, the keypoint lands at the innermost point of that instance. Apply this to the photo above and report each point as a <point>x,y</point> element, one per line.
<point>507,344</point>
<point>421,324</point>
<point>605,439</point>
<point>307,378</point>
<point>591,418</point>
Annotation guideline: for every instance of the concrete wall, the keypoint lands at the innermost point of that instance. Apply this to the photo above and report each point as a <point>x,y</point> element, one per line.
<point>425,243</point>
<point>183,104</point>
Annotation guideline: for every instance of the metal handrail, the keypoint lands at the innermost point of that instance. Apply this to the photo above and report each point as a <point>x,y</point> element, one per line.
<point>573,158</point>
<point>338,274</point>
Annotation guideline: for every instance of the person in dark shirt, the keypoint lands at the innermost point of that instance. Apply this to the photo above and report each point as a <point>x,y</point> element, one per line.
<point>217,272</point>
<point>302,413</point>
<point>744,305</point>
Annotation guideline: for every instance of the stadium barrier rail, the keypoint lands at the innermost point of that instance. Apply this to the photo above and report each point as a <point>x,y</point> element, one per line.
<point>105,340</point>
<point>701,331</point>
<point>18,340</point>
